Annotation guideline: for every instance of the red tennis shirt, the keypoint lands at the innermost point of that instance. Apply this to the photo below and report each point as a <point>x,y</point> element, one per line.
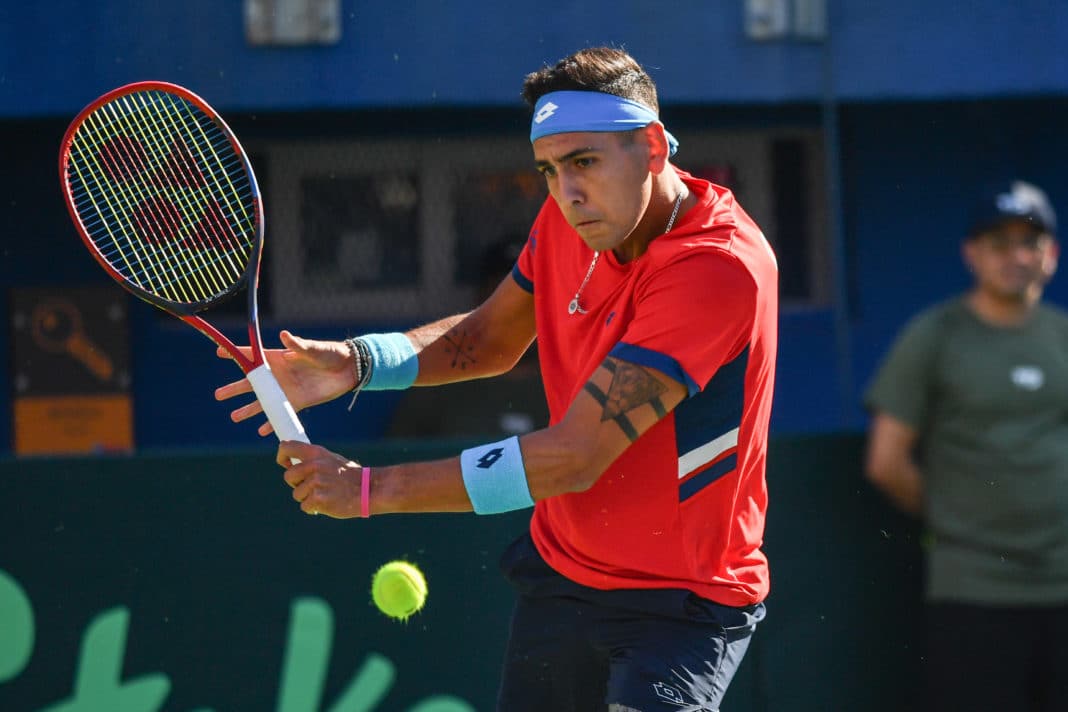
<point>684,505</point>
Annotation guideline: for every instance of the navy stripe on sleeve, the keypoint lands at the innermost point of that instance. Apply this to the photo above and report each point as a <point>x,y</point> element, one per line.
<point>654,359</point>
<point>521,279</point>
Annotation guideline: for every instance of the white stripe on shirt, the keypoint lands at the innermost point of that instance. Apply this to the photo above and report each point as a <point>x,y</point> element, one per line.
<point>707,453</point>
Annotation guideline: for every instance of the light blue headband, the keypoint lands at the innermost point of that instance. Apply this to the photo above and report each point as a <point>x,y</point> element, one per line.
<point>575,111</point>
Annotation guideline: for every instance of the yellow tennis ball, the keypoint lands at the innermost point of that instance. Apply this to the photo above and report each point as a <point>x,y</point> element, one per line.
<point>398,589</point>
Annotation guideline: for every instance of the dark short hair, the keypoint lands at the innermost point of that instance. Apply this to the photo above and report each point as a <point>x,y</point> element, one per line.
<point>604,69</point>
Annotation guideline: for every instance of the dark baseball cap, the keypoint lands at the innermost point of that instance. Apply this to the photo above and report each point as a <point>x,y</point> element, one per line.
<point>1019,200</point>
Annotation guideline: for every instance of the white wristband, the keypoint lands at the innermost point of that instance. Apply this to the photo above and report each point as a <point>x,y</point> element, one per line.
<point>495,478</point>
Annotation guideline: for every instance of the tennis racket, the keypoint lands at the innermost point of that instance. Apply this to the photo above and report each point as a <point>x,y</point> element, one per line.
<point>165,199</point>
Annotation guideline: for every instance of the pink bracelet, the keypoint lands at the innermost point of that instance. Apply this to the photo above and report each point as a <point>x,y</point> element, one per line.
<point>365,492</point>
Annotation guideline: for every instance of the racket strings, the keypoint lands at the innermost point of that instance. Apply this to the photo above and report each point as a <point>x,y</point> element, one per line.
<point>159,218</point>
<point>178,169</point>
<point>155,217</point>
<point>187,169</point>
<point>121,159</point>
<point>164,196</point>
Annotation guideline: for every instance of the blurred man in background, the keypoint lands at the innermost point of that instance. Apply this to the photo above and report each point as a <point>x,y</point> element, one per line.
<point>970,432</point>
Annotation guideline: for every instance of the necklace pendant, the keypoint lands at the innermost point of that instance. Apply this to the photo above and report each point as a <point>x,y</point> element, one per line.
<point>573,305</point>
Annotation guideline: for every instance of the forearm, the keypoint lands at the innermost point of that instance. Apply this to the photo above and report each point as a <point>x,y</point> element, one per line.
<point>465,347</point>
<point>891,461</point>
<point>567,457</point>
<point>902,483</point>
<point>461,348</point>
<point>484,342</point>
<point>550,467</point>
<point>435,486</point>
<point>621,401</point>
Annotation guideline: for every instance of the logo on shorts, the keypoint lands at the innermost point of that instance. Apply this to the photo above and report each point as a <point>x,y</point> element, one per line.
<point>667,692</point>
<point>545,112</point>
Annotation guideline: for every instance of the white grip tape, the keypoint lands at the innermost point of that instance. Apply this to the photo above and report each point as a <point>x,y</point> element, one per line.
<point>275,404</point>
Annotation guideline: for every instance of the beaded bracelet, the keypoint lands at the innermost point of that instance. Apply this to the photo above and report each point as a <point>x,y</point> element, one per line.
<point>361,366</point>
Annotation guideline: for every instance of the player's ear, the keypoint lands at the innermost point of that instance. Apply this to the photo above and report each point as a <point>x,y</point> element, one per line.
<point>659,151</point>
<point>968,253</point>
<point>1049,262</point>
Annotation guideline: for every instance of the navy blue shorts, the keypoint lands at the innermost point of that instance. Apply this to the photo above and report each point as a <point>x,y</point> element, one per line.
<point>577,649</point>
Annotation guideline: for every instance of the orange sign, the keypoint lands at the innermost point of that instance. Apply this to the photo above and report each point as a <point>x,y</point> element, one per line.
<point>73,424</point>
<point>71,371</point>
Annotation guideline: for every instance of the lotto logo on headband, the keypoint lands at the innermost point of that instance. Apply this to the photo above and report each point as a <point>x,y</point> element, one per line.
<point>545,112</point>
<point>581,111</point>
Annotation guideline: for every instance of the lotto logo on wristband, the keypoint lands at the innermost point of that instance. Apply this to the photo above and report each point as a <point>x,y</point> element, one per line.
<point>491,456</point>
<point>495,478</point>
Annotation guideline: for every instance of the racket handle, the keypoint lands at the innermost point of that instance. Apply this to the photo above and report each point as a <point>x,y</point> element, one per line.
<point>275,405</point>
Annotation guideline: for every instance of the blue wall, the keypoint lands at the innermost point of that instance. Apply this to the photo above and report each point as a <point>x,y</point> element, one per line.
<point>949,48</point>
<point>55,57</point>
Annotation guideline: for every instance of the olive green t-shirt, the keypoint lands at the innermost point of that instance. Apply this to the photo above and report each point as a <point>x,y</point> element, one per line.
<point>991,406</point>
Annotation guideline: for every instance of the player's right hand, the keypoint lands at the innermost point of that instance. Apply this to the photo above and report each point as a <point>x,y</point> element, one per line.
<point>323,482</point>
<point>309,371</point>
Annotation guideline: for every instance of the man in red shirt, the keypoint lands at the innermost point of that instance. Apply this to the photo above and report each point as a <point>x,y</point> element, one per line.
<point>654,299</point>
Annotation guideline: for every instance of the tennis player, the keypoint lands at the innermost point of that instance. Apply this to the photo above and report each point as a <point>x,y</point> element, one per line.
<point>654,299</point>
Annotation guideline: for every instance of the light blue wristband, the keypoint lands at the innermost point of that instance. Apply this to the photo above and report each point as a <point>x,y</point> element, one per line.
<point>495,478</point>
<point>394,363</point>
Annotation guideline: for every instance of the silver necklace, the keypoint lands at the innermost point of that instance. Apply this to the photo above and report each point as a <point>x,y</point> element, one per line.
<point>574,306</point>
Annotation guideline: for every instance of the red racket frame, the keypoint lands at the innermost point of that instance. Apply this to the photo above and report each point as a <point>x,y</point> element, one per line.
<point>185,312</point>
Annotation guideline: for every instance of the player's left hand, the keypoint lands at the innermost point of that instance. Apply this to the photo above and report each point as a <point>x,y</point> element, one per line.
<point>323,482</point>
<point>310,372</point>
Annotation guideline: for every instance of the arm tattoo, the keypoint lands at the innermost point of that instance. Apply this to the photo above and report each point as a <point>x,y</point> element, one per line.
<point>632,386</point>
<point>461,347</point>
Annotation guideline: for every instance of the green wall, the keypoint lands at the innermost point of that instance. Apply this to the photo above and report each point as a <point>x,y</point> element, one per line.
<point>187,582</point>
